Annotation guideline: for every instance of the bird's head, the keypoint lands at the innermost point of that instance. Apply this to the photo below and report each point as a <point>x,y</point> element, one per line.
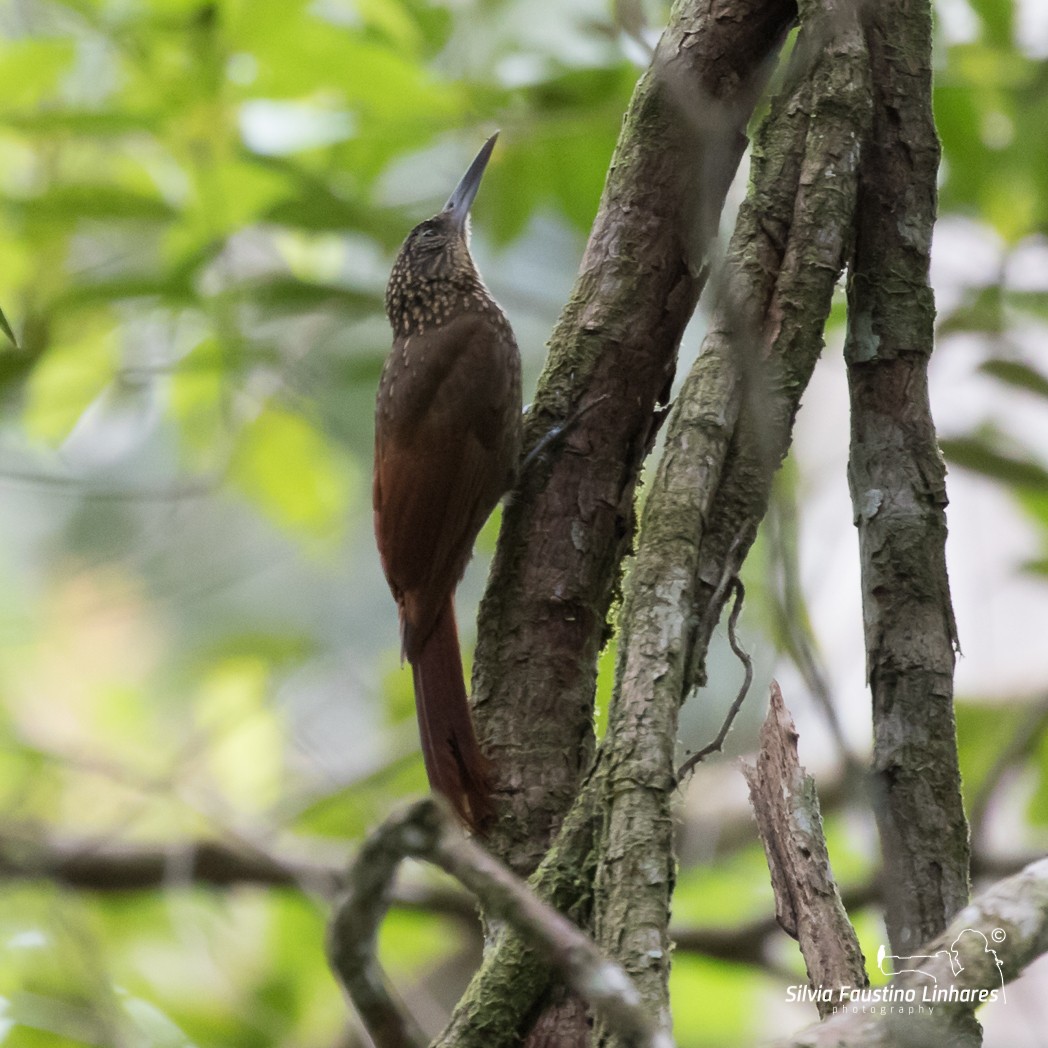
<point>438,248</point>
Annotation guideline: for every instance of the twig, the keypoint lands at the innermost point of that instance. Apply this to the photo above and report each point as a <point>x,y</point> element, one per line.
<point>90,866</point>
<point>795,629</point>
<point>425,831</point>
<point>353,939</point>
<point>735,583</point>
<point>808,903</point>
<point>98,865</point>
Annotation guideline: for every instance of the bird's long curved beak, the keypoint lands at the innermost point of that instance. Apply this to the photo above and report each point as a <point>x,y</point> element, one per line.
<point>461,200</point>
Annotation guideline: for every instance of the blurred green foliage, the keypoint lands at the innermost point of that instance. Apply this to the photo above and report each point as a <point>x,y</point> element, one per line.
<point>199,203</point>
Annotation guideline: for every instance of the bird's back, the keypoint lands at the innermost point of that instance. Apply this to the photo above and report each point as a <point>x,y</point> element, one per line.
<point>446,447</point>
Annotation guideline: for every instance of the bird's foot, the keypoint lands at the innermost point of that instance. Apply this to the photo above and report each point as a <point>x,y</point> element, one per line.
<point>555,434</point>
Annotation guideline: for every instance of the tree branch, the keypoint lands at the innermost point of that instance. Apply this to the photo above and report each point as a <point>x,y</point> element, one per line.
<point>426,831</point>
<point>898,488</point>
<point>717,744</point>
<point>94,866</point>
<point>566,530</point>
<point>727,435</point>
<point>353,933</point>
<point>504,995</point>
<point>807,902</point>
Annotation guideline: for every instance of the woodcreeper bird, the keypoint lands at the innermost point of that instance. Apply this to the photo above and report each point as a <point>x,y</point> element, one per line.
<point>447,441</point>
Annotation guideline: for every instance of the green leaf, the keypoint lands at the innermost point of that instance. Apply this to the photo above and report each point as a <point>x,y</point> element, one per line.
<point>990,110</point>
<point>1032,302</point>
<point>1017,374</point>
<point>1037,809</point>
<point>198,403</point>
<point>976,454</point>
<point>605,684</point>
<point>997,17</point>
<point>412,942</point>
<point>155,1028</point>
<point>89,123</point>
<point>561,159</point>
<point>173,288</point>
<point>244,754</point>
<point>350,813</point>
<point>5,327</point>
<point>286,294</point>
<point>714,1004</point>
<point>980,310</point>
<point>413,27</point>
<point>75,369</point>
<point>734,889</point>
<point>297,478</point>
<point>100,201</point>
<point>982,730</point>
<point>30,68</point>
<point>235,193</point>
<point>318,209</point>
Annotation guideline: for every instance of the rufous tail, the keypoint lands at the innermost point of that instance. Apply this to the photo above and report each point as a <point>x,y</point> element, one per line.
<point>455,766</point>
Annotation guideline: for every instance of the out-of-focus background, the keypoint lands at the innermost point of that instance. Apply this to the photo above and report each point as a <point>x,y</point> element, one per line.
<point>199,205</point>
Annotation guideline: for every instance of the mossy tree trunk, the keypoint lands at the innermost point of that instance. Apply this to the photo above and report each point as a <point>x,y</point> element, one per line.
<point>853,115</point>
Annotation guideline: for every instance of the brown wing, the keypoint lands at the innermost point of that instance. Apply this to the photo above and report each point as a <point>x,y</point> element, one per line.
<point>446,442</point>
